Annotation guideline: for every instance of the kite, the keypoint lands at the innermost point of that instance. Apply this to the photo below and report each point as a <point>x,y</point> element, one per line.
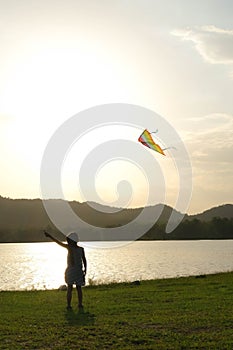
<point>146,139</point>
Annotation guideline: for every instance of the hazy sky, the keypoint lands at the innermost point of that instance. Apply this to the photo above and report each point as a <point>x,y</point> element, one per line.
<point>174,57</point>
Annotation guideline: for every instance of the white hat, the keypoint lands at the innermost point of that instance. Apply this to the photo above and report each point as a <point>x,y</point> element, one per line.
<point>73,236</point>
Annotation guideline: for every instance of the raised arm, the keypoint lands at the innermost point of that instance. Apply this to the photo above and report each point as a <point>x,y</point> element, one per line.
<point>55,240</point>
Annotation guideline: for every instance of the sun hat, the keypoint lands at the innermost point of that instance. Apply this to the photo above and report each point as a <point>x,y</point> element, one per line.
<point>73,236</point>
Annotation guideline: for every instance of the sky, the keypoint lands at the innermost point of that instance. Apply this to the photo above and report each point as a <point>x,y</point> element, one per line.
<point>59,58</point>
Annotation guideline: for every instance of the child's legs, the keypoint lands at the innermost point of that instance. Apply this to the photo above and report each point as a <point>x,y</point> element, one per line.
<point>80,295</point>
<point>69,294</point>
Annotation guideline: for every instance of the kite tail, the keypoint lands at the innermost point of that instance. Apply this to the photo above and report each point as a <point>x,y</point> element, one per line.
<point>154,132</point>
<point>171,147</point>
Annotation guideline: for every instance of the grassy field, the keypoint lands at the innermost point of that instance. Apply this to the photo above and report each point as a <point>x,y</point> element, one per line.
<point>181,313</point>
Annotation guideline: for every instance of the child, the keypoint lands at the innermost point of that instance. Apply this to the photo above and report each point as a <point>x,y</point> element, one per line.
<point>74,273</point>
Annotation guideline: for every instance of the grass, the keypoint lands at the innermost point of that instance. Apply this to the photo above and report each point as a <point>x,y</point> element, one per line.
<point>181,313</point>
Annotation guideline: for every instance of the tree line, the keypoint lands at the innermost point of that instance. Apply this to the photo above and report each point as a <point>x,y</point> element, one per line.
<point>217,228</point>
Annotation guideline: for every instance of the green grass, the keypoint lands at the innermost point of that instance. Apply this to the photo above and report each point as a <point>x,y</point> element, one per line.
<point>181,313</point>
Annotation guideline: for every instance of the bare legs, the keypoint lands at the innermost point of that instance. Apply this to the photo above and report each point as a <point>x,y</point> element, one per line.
<point>80,296</point>
<point>69,295</point>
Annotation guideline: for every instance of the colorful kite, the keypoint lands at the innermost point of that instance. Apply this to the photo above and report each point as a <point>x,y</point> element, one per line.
<point>146,139</point>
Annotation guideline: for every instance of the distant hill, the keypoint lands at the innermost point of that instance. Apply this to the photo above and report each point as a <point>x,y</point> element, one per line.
<point>25,219</point>
<point>30,213</point>
<point>222,211</point>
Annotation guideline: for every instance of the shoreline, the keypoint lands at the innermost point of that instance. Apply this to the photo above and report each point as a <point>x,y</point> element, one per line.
<point>123,283</point>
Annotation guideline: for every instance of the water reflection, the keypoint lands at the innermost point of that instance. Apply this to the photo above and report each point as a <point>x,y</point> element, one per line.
<point>42,265</point>
<point>32,266</point>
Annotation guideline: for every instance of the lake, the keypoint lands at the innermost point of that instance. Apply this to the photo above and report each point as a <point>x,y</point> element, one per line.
<point>27,266</point>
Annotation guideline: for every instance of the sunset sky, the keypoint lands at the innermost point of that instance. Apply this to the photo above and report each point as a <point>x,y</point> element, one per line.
<point>174,57</point>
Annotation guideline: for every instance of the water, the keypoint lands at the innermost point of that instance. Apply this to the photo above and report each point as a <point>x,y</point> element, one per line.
<point>26,266</point>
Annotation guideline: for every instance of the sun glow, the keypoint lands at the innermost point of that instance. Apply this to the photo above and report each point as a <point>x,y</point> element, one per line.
<point>42,91</point>
<point>54,78</point>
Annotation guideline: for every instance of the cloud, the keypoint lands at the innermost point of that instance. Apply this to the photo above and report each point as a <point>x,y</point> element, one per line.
<point>210,146</point>
<point>211,123</point>
<point>214,44</point>
<point>212,137</point>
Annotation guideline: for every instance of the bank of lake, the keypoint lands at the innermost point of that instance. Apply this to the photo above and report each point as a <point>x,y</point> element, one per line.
<point>179,313</point>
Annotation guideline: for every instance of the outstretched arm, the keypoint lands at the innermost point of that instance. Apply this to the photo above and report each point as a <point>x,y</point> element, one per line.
<point>55,240</point>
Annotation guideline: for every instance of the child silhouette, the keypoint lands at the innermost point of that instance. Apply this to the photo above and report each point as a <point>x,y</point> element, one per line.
<point>76,260</point>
